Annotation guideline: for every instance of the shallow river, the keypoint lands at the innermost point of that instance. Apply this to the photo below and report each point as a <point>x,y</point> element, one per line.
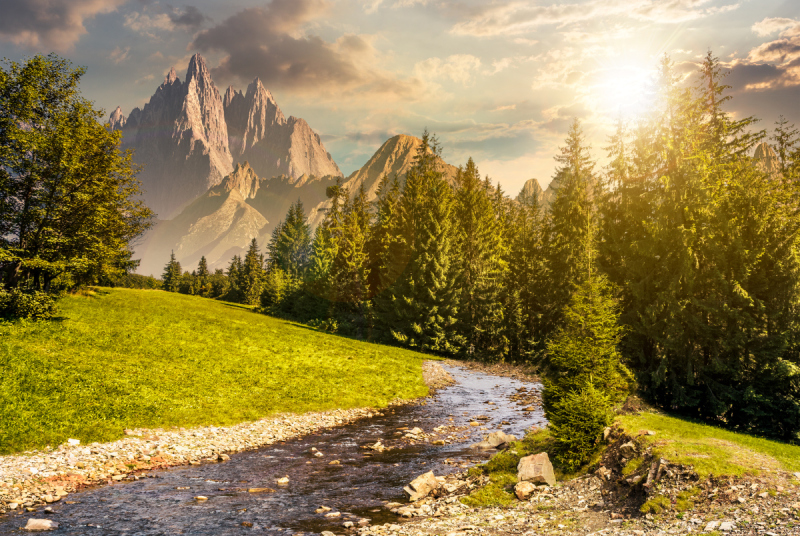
<point>163,503</point>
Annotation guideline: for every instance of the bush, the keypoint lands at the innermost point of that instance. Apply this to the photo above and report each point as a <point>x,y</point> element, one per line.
<point>576,424</point>
<point>27,304</point>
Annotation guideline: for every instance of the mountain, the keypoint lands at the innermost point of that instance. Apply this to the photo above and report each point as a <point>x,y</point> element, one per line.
<point>188,138</point>
<point>221,223</point>
<point>767,159</point>
<point>396,155</point>
<point>532,188</point>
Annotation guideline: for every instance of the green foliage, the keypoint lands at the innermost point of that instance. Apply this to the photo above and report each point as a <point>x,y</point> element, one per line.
<point>69,198</point>
<point>703,244</point>
<point>171,279</point>
<point>124,359</point>
<point>656,505</point>
<point>583,351</point>
<point>27,304</point>
<point>290,246</point>
<point>251,275</point>
<point>576,424</point>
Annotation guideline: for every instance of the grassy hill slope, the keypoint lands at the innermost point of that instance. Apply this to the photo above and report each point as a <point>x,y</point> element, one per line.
<point>131,358</point>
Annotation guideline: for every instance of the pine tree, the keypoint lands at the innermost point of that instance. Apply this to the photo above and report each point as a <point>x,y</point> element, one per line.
<point>525,281</point>
<point>252,274</point>
<point>290,245</point>
<point>383,243</point>
<point>787,146</point>
<point>572,214</point>
<point>479,263</point>
<point>203,284</point>
<point>350,268</point>
<point>420,309</point>
<point>172,275</point>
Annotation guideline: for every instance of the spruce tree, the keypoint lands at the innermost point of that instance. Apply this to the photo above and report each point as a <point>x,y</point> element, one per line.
<point>572,213</point>
<point>251,275</point>
<point>172,275</point>
<point>202,275</point>
<point>420,309</point>
<point>479,263</point>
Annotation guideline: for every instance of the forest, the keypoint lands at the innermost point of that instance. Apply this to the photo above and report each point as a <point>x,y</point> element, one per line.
<point>673,268</point>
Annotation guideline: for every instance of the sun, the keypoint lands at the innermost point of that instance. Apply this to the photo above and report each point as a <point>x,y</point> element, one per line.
<point>625,90</point>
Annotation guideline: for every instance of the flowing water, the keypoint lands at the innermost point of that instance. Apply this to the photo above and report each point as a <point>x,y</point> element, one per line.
<point>163,502</point>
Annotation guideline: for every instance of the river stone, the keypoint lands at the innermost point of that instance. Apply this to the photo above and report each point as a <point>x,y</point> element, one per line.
<point>628,450</point>
<point>524,490</point>
<point>421,486</point>
<point>41,524</point>
<point>494,440</point>
<point>537,469</point>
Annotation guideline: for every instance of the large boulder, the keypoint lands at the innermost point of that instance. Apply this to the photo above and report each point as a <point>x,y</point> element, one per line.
<point>41,524</point>
<point>421,486</point>
<point>536,469</point>
<point>494,440</point>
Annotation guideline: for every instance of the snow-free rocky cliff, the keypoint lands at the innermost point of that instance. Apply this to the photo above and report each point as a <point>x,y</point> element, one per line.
<point>188,138</point>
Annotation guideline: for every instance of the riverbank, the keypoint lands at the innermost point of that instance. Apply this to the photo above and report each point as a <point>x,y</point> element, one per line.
<point>122,358</point>
<point>36,478</point>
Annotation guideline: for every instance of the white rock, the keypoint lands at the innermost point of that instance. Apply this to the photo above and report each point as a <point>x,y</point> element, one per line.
<point>74,442</point>
<point>41,524</point>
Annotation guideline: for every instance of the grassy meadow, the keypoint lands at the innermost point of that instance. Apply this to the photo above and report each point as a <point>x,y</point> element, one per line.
<point>119,358</point>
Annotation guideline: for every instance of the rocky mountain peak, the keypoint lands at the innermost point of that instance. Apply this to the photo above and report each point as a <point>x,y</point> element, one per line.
<point>766,159</point>
<point>531,191</point>
<point>231,95</point>
<point>171,77</point>
<point>197,69</point>
<point>243,179</point>
<point>117,119</point>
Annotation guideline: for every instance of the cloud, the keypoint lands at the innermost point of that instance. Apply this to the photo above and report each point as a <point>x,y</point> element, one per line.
<point>270,43</point>
<point>118,55</point>
<point>460,68</point>
<point>49,24</point>
<point>191,17</point>
<point>515,18</point>
<point>153,19</point>
<point>770,25</point>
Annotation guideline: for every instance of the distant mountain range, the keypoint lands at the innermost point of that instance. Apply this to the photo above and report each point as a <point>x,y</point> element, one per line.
<point>188,138</point>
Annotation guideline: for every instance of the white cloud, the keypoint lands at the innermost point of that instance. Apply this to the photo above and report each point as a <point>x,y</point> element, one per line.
<point>515,18</point>
<point>770,25</point>
<point>147,24</point>
<point>460,68</point>
<point>118,55</point>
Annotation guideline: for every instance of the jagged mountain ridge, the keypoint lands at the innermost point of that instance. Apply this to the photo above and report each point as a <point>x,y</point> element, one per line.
<point>188,138</point>
<point>396,155</point>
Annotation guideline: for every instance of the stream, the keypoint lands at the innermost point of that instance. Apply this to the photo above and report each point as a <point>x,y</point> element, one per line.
<point>163,501</point>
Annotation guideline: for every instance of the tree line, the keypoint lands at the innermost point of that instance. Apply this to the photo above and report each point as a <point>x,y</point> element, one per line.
<point>678,261</point>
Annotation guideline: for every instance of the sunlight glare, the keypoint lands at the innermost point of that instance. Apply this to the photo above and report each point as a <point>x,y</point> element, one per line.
<point>625,90</point>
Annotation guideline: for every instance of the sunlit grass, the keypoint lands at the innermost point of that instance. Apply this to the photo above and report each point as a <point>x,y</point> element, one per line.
<point>709,449</point>
<point>132,358</point>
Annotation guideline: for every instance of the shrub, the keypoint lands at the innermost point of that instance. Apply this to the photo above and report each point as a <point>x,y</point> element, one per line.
<point>27,304</point>
<point>576,424</point>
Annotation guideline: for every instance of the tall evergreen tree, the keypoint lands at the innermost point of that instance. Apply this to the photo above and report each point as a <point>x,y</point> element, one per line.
<point>572,215</point>
<point>479,262</point>
<point>172,274</point>
<point>290,246</point>
<point>251,275</point>
<point>420,309</point>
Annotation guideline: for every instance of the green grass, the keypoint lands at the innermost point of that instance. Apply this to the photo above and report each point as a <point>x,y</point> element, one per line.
<point>132,358</point>
<point>709,449</point>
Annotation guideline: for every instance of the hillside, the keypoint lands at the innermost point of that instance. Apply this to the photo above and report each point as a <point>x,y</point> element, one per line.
<point>129,358</point>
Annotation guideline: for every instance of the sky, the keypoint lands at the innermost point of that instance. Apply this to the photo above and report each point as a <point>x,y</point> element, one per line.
<point>497,81</point>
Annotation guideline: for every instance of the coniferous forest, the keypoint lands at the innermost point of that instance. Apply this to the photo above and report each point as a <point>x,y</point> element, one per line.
<point>674,268</point>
